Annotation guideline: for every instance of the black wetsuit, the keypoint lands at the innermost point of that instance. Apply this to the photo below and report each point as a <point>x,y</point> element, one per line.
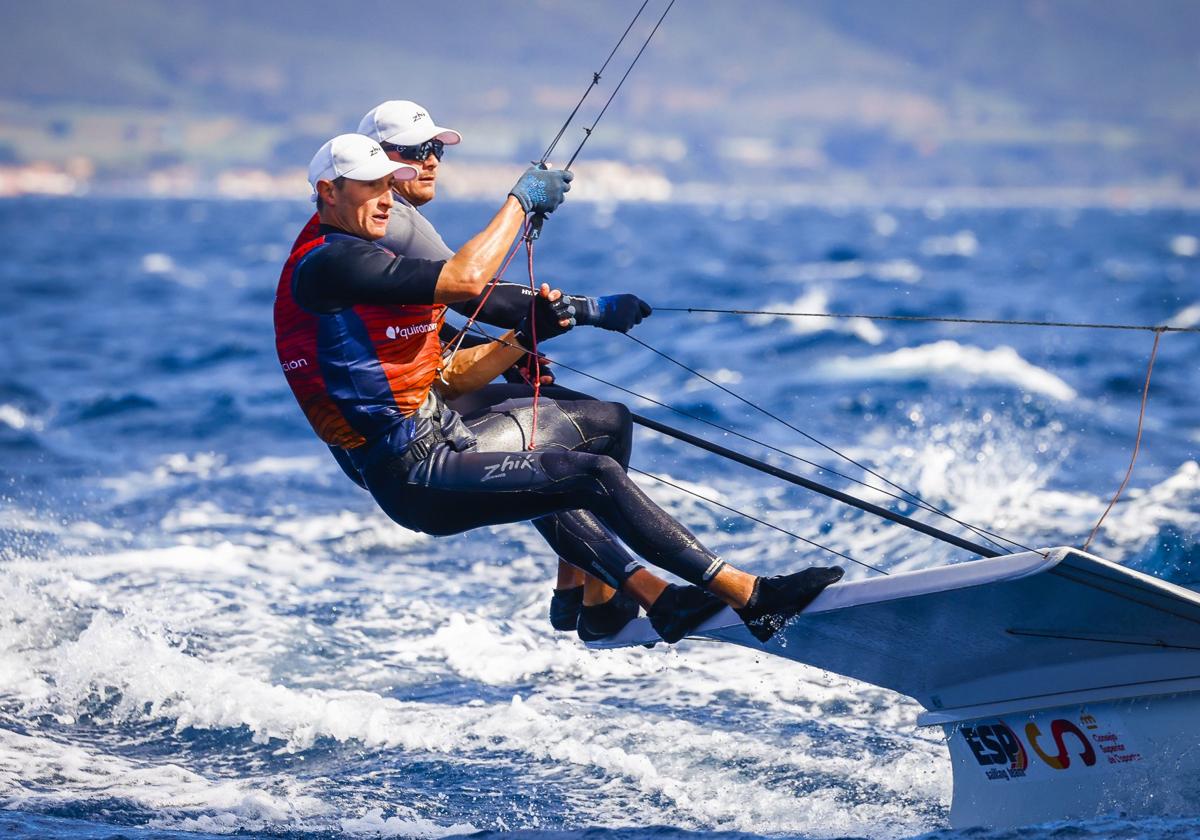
<point>479,472</point>
<point>573,485</point>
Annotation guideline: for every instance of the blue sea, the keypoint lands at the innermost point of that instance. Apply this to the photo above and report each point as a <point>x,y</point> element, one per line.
<point>206,629</point>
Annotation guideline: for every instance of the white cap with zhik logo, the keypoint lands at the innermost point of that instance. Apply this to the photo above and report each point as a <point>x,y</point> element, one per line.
<point>404,123</point>
<point>355,157</point>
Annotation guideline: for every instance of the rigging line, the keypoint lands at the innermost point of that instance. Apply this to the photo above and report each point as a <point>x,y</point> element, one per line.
<point>753,518</point>
<point>808,484</point>
<point>944,320</point>
<point>587,132</point>
<point>595,81</point>
<point>816,487</point>
<point>1137,444</point>
<point>452,346</point>
<point>863,467</point>
<point>920,504</point>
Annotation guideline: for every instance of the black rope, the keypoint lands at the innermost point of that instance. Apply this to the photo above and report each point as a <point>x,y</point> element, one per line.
<point>993,321</point>
<point>842,455</point>
<point>595,81</point>
<point>587,132</point>
<point>753,518</point>
<point>919,503</point>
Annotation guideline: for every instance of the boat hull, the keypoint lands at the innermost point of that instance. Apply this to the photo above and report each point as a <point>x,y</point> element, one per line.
<point>1127,758</point>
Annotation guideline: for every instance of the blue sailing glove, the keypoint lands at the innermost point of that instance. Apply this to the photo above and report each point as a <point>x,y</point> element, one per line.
<point>619,313</point>
<point>542,190</point>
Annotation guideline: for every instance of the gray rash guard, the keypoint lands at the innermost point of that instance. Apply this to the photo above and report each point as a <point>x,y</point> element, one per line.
<point>409,234</point>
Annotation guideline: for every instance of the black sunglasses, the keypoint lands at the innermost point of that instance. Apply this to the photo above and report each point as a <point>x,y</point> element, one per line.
<point>433,147</point>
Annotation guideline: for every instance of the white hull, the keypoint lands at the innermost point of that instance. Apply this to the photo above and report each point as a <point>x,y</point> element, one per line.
<point>1068,686</point>
<point>1125,758</point>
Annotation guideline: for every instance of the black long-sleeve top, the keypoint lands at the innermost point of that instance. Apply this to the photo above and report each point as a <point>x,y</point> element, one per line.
<point>349,271</point>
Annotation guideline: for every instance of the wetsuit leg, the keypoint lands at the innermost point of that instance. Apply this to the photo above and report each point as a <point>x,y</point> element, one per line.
<point>451,492</point>
<point>501,420</point>
<point>479,401</point>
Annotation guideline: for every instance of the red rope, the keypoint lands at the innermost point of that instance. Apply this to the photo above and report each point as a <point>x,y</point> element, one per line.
<point>535,365</point>
<point>454,343</point>
<point>1137,444</point>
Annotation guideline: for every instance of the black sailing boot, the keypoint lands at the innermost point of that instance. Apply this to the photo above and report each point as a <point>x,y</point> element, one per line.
<point>776,599</point>
<point>681,609</point>
<point>564,607</point>
<point>598,621</point>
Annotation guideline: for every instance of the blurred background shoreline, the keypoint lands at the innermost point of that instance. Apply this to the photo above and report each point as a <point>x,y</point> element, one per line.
<point>1014,103</point>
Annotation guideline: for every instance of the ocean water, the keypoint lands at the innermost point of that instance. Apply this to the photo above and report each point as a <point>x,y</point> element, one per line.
<point>205,629</point>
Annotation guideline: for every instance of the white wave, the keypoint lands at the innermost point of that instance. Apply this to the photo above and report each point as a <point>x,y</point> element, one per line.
<point>37,772</point>
<point>948,360</point>
<point>15,418</point>
<point>157,264</point>
<point>146,675</point>
<point>1185,245</point>
<point>1143,513</point>
<point>1187,317</point>
<point>961,244</point>
<point>376,825</point>
<point>898,270</point>
<point>210,466</point>
<point>816,301</point>
<point>885,224</point>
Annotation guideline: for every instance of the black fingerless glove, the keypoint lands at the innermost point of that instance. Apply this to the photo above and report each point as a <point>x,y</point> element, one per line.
<point>543,322</point>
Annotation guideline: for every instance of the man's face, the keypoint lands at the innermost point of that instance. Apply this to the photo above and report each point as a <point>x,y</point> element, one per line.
<point>358,207</point>
<point>421,189</point>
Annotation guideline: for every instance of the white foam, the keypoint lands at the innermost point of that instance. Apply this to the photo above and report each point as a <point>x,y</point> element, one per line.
<point>885,224</point>
<point>509,652</point>
<point>208,466</point>
<point>15,418</point>
<point>1185,245</point>
<point>817,301</point>
<point>1143,513</point>
<point>282,466</point>
<point>897,270</point>
<point>157,264</point>
<point>961,244</point>
<point>950,360</point>
<point>376,825</point>
<point>37,772</point>
<point>1187,317</point>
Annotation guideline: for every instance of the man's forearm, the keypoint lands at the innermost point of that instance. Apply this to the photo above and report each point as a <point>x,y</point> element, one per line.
<point>468,271</point>
<point>473,367</point>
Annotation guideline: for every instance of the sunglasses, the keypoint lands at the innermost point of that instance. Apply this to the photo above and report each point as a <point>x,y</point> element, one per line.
<point>433,147</point>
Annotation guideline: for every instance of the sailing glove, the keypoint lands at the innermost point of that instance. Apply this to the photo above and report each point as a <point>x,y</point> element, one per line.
<point>522,372</point>
<point>619,313</point>
<point>543,321</point>
<point>542,190</point>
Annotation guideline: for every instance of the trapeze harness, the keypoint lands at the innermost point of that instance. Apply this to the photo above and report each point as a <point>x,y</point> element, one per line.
<point>357,336</point>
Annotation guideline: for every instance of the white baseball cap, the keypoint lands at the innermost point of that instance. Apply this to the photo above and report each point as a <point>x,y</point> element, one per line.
<point>355,157</point>
<point>404,123</point>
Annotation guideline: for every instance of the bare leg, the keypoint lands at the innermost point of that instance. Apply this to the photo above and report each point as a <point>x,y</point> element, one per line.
<point>733,586</point>
<point>596,591</point>
<point>568,576</point>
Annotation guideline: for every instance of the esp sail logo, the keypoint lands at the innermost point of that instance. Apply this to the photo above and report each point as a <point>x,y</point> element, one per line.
<point>1006,752</point>
<point>996,744</point>
<point>1059,729</point>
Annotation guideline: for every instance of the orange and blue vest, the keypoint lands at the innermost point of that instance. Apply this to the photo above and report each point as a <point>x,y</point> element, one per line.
<point>360,372</point>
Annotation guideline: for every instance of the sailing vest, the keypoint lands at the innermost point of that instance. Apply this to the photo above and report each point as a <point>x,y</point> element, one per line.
<point>359,372</point>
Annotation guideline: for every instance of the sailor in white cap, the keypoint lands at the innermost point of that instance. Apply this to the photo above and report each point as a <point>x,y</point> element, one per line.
<point>356,330</point>
<point>408,133</point>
